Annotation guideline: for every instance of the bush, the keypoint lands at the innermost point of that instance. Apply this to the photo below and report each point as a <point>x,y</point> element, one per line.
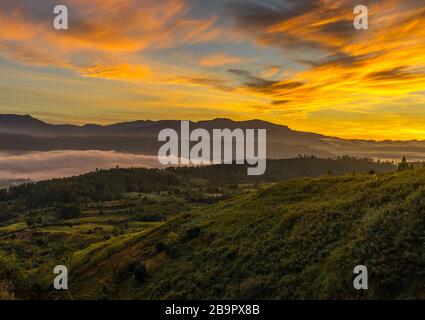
<point>68,212</point>
<point>6,292</point>
<point>160,247</point>
<point>124,272</point>
<point>192,233</point>
<point>30,221</point>
<point>141,273</point>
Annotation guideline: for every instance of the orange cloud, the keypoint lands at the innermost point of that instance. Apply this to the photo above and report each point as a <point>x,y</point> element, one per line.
<point>105,38</point>
<point>220,59</point>
<point>383,62</point>
<point>270,71</point>
<point>118,72</point>
<point>334,69</point>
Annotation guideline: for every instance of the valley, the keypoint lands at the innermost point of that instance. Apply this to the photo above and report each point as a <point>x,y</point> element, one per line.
<point>215,233</point>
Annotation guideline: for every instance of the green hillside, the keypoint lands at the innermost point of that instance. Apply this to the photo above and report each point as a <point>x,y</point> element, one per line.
<point>297,239</point>
<point>104,185</point>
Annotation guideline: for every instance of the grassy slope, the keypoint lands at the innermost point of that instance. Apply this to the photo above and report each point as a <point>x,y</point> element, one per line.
<point>297,239</point>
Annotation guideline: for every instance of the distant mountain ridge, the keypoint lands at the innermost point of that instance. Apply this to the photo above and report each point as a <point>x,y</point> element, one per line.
<point>27,125</point>
<point>26,133</point>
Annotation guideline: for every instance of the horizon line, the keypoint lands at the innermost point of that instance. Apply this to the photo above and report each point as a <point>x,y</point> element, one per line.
<point>203,120</point>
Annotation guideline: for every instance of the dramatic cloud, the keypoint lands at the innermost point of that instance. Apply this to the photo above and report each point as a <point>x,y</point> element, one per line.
<point>384,63</point>
<point>105,38</point>
<point>300,63</point>
<point>268,87</point>
<point>112,25</point>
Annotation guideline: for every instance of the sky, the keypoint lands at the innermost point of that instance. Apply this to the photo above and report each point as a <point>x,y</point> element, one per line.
<point>298,63</point>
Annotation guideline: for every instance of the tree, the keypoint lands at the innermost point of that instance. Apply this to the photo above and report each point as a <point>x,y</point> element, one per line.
<point>30,221</point>
<point>68,212</point>
<point>141,273</point>
<point>192,233</point>
<point>403,166</point>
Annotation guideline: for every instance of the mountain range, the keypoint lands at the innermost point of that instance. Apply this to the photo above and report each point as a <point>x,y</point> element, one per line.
<point>24,133</point>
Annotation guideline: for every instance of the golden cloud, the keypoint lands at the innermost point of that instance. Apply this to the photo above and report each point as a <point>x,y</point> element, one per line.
<point>106,39</point>
<point>387,60</point>
<point>220,59</point>
<point>333,66</point>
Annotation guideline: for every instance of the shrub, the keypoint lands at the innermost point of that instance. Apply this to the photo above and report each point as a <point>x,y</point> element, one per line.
<point>30,221</point>
<point>192,233</point>
<point>404,165</point>
<point>141,273</point>
<point>160,247</point>
<point>124,272</point>
<point>68,212</point>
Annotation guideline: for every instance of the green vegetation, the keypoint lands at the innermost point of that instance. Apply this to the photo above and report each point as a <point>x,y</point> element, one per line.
<point>297,239</point>
<point>194,238</point>
<point>66,212</point>
<point>104,185</point>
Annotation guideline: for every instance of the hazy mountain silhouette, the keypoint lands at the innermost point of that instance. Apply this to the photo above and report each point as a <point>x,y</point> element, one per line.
<point>28,125</point>
<point>20,133</point>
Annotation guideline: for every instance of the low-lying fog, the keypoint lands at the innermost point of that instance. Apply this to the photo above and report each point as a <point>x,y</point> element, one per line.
<point>56,164</point>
